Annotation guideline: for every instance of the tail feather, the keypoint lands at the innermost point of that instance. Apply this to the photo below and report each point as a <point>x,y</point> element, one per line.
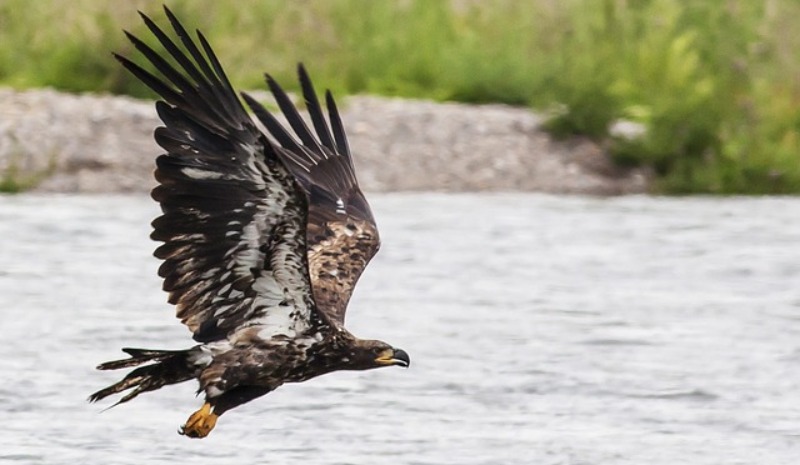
<point>138,356</point>
<point>170,367</point>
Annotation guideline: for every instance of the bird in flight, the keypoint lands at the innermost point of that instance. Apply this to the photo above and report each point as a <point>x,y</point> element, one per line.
<point>264,236</point>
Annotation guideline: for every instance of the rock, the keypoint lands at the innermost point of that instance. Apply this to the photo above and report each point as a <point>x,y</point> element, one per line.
<point>91,143</point>
<point>86,143</point>
<point>421,145</point>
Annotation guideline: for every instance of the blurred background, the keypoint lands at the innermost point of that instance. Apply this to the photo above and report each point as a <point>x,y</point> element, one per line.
<point>715,83</point>
<point>582,329</point>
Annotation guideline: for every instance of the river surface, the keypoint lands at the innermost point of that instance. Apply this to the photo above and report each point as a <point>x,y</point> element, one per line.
<point>542,330</point>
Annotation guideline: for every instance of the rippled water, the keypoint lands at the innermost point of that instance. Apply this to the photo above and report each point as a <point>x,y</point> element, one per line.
<point>542,330</point>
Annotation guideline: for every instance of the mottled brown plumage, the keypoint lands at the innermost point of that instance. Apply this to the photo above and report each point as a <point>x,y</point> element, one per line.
<point>356,241</point>
<point>264,237</point>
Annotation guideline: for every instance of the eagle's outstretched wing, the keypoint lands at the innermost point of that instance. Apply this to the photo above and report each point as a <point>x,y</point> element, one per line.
<point>341,231</point>
<point>234,220</point>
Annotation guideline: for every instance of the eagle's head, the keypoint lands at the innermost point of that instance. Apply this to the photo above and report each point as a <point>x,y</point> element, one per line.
<point>367,354</point>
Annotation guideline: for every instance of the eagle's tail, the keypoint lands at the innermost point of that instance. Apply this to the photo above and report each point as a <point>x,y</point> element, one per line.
<point>170,367</point>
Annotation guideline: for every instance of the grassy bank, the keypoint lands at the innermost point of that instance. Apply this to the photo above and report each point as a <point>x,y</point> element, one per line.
<point>716,83</point>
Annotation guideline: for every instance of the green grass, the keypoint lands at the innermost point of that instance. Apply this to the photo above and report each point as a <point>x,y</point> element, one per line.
<point>715,82</point>
<point>14,179</point>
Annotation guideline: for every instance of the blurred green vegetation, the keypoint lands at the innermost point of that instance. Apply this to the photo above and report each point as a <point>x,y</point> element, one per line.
<point>716,83</point>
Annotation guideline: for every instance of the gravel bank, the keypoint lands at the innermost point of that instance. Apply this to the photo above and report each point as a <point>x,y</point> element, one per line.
<point>90,143</point>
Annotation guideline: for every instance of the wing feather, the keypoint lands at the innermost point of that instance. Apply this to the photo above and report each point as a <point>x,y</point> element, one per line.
<point>234,220</point>
<point>273,126</point>
<point>342,146</point>
<point>314,109</point>
<point>292,115</point>
<point>341,232</point>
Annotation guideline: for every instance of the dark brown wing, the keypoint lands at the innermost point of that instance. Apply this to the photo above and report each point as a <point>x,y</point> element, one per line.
<point>234,220</point>
<point>341,231</point>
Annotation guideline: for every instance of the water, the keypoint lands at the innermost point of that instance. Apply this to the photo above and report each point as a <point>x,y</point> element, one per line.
<point>542,330</point>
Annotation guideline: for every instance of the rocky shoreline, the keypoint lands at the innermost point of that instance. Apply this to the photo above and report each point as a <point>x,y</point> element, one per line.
<point>98,143</point>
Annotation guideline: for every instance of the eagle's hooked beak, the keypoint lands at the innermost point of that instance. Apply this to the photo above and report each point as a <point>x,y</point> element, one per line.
<point>397,357</point>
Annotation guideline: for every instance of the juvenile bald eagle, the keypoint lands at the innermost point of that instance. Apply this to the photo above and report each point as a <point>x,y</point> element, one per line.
<point>265,236</point>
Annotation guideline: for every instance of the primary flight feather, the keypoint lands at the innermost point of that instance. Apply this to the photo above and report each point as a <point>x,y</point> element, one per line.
<point>264,236</point>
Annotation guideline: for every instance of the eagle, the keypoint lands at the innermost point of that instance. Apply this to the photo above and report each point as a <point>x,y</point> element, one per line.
<point>265,234</point>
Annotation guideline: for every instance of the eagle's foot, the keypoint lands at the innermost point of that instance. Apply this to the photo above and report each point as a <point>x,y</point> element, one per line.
<point>200,423</point>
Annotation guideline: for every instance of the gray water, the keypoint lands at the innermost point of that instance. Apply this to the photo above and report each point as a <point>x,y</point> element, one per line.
<point>542,330</point>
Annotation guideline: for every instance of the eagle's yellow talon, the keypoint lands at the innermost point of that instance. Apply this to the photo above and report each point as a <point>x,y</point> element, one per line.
<point>200,423</point>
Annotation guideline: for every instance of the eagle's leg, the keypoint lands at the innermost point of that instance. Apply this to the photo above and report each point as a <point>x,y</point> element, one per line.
<point>201,422</point>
